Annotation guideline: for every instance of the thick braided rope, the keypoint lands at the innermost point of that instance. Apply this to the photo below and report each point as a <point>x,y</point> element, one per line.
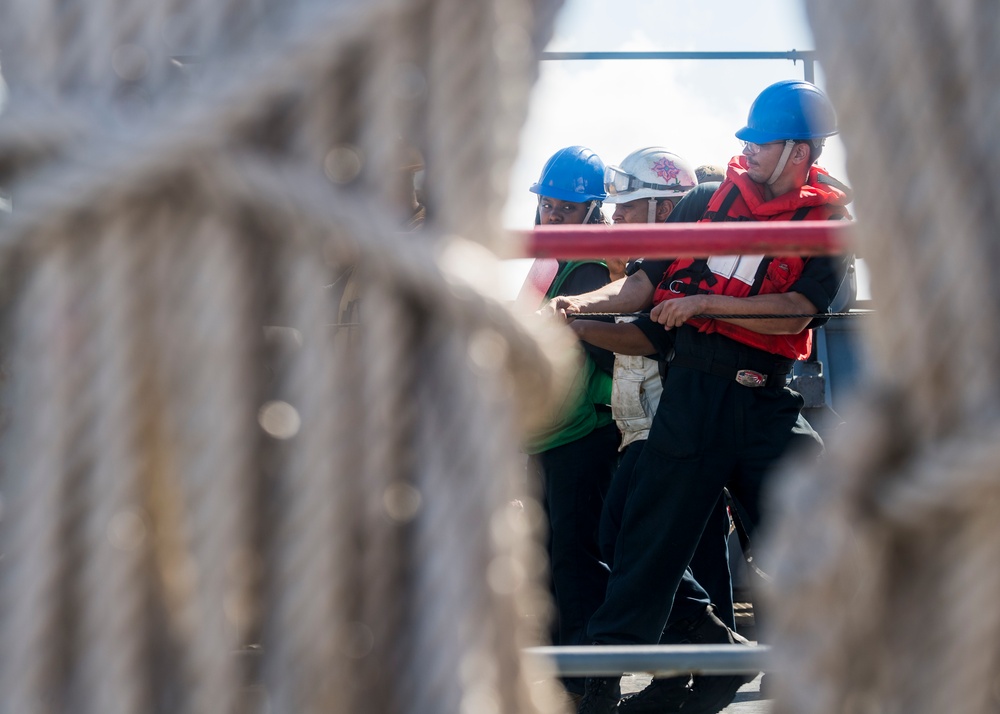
<point>180,202</point>
<point>395,83</point>
<point>306,608</point>
<point>469,178</point>
<point>113,586</point>
<point>79,423</point>
<point>291,195</point>
<point>35,561</point>
<point>214,310</point>
<point>390,455</point>
<point>409,261</point>
<point>120,159</point>
<point>474,559</point>
<point>67,47</point>
<point>885,565</point>
<point>349,637</point>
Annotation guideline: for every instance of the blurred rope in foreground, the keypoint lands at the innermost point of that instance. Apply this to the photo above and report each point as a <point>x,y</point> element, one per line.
<point>211,501</point>
<point>885,574</point>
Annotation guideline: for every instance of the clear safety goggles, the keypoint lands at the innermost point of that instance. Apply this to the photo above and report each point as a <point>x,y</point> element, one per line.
<point>619,183</point>
<point>752,149</point>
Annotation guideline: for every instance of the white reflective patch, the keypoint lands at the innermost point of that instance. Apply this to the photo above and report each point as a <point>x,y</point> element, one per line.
<point>741,267</point>
<point>746,270</point>
<point>723,265</point>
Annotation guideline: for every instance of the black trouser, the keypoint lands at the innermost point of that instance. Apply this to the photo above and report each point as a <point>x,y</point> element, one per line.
<point>575,478</point>
<point>710,581</point>
<point>709,431</point>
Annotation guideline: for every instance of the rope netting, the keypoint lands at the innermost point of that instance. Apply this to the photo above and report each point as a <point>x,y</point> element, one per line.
<point>217,496</point>
<point>885,575</point>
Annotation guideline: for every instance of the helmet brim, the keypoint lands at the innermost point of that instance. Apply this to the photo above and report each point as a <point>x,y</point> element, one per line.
<point>757,136</point>
<point>560,194</point>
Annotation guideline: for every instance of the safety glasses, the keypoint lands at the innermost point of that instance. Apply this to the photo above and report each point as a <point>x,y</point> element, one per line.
<point>617,183</point>
<point>752,149</point>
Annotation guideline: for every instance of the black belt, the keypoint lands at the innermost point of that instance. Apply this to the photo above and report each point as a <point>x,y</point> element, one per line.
<point>749,373</point>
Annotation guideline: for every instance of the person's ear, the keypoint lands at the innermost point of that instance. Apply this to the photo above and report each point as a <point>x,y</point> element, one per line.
<point>663,209</point>
<point>801,153</point>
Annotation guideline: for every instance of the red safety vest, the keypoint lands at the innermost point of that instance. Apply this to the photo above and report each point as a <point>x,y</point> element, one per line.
<point>741,199</point>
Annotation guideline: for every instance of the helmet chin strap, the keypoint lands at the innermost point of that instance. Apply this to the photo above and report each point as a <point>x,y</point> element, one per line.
<point>590,212</point>
<point>651,211</point>
<point>785,153</point>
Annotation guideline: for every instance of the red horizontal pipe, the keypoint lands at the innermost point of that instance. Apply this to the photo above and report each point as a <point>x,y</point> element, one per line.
<point>684,240</point>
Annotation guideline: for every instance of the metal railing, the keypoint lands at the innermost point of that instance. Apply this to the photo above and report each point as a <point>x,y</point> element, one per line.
<point>657,660</point>
<point>685,240</point>
<point>808,57</point>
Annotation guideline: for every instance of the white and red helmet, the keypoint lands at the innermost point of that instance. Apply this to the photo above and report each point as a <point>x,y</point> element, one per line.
<point>652,172</point>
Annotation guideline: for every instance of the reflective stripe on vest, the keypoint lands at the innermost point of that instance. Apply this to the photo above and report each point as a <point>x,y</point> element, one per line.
<point>738,276</point>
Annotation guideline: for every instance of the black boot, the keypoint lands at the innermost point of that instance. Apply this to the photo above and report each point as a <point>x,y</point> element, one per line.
<point>710,695</point>
<point>704,694</point>
<point>662,695</point>
<point>705,629</point>
<point>600,695</point>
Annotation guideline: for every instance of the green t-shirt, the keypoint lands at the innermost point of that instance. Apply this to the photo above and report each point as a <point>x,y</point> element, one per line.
<point>593,387</point>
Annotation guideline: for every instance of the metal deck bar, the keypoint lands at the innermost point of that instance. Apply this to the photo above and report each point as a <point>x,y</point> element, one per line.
<point>657,660</point>
<point>808,57</point>
<point>793,55</point>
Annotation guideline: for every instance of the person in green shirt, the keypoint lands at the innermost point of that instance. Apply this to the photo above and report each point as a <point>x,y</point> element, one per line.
<point>576,456</point>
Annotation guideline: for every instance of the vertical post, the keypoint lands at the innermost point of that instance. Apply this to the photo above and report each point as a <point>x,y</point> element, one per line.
<point>809,69</point>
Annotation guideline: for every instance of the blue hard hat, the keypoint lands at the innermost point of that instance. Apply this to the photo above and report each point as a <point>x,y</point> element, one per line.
<point>572,174</point>
<point>790,109</point>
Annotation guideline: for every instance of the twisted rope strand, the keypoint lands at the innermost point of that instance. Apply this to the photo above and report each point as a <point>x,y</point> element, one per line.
<point>114,586</point>
<point>34,483</point>
<point>904,492</point>
<point>177,210</point>
<point>306,629</point>
<point>217,456</point>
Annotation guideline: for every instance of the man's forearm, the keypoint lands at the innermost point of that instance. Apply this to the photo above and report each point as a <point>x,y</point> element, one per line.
<point>630,294</point>
<point>773,304</point>
<point>621,338</point>
<point>676,312</point>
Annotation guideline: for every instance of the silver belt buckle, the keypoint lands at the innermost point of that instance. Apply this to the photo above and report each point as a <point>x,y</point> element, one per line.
<point>749,378</point>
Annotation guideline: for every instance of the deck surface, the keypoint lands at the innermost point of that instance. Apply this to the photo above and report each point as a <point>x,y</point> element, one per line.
<point>748,699</point>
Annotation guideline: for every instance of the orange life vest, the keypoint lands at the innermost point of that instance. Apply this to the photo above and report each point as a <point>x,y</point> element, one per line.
<point>741,199</point>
